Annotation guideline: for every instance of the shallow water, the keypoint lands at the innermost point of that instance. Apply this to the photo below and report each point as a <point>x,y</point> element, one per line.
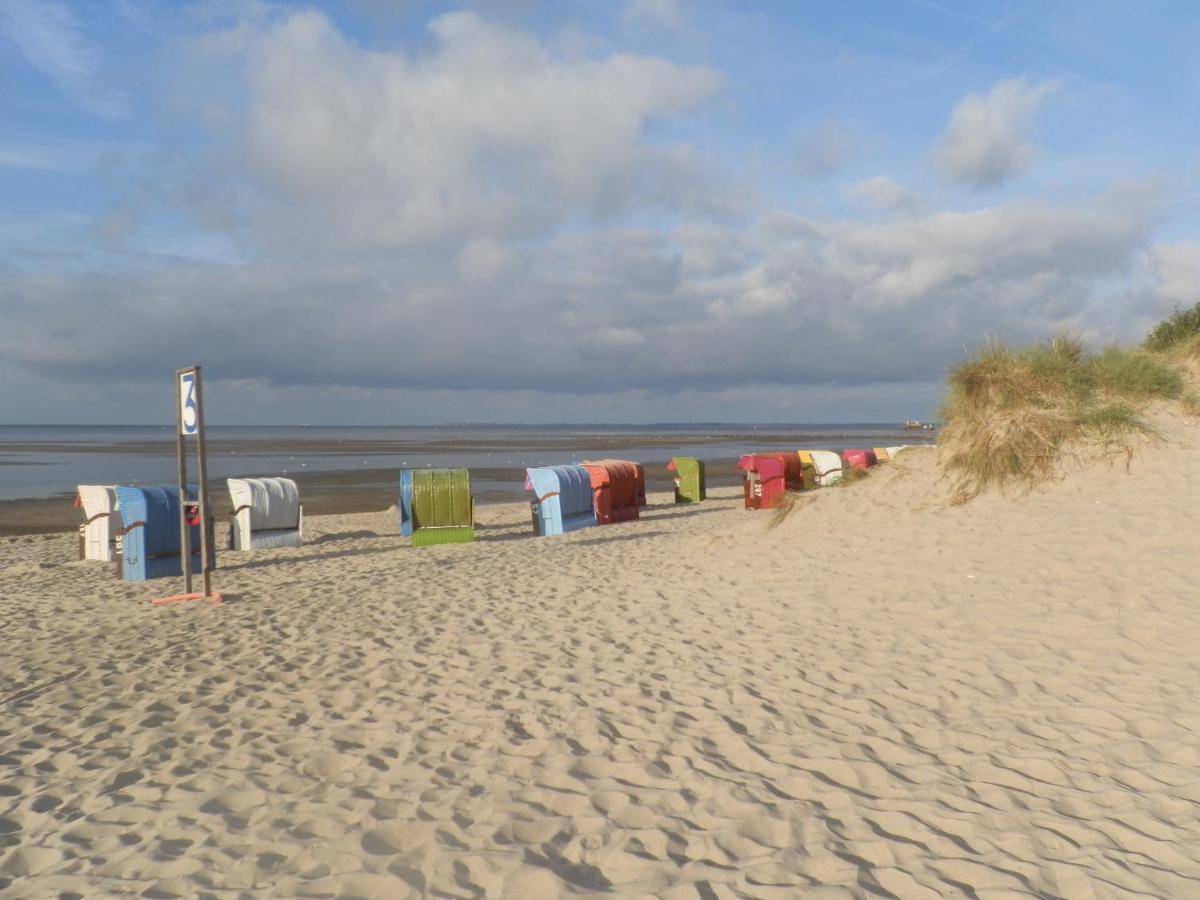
<point>49,461</point>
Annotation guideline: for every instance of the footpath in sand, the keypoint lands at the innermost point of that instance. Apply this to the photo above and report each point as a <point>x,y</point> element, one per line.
<point>882,697</point>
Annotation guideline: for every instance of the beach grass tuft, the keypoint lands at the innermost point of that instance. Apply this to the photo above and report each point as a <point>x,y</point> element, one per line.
<point>1011,413</point>
<point>851,476</point>
<point>780,512</point>
<point>1132,373</point>
<point>1180,331</point>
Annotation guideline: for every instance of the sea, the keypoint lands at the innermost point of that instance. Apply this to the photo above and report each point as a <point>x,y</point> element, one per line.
<point>48,461</point>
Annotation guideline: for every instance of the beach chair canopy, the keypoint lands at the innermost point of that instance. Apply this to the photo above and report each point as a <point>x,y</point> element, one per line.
<point>793,472</point>
<point>266,513</point>
<point>618,489</point>
<point>767,466</point>
<point>562,498</point>
<point>273,503</point>
<point>828,466</point>
<point>149,533</point>
<point>856,459</point>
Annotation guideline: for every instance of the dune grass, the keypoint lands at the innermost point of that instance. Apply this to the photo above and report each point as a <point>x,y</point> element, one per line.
<point>851,476</point>
<point>1179,331</point>
<point>1011,413</point>
<point>1177,341</point>
<point>782,510</point>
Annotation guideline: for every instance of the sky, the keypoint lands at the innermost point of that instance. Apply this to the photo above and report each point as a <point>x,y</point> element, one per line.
<point>632,211</point>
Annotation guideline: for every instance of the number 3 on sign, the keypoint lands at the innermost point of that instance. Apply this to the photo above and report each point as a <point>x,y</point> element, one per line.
<point>188,419</point>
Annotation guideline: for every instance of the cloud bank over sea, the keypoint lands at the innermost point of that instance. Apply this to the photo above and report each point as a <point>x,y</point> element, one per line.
<point>533,212</point>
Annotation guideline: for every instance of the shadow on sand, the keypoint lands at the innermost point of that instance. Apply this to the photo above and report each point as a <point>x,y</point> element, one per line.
<point>315,557</point>
<point>346,536</point>
<point>618,537</point>
<point>678,514</point>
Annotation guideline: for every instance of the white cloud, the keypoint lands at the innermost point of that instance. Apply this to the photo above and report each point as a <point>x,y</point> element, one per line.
<point>493,216</point>
<point>824,149</point>
<point>52,40</point>
<point>986,141</point>
<point>71,156</point>
<point>668,13</point>
<point>488,134</point>
<point>29,156</point>
<point>880,192</point>
<point>1176,271</point>
<point>711,250</point>
<point>797,302</point>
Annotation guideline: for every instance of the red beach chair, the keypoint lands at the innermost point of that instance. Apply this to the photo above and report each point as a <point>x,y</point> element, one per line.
<point>857,459</point>
<point>764,482</point>
<point>614,490</point>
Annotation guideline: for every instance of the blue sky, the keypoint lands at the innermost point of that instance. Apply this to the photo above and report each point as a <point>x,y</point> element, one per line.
<point>514,210</point>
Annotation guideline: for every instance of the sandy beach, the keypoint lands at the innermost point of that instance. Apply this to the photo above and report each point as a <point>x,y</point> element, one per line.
<point>883,696</point>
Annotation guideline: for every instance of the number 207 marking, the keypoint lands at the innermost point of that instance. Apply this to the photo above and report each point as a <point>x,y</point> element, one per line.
<point>187,392</point>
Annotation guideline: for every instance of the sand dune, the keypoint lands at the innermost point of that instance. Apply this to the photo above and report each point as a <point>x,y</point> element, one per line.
<point>882,696</point>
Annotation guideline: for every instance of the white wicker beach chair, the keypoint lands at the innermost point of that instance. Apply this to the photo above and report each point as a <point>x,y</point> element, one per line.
<point>266,514</point>
<point>97,534</point>
<point>828,466</point>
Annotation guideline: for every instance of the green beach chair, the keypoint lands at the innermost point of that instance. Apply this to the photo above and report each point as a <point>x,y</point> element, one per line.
<point>436,506</point>
<point>689,479</point>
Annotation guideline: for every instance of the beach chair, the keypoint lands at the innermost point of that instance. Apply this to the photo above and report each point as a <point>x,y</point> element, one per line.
<point>690,486</point>
<point>857,459</point>
<point>97,533</point>
<point>615,489</point>
<point>266,514</point>
<point>827,466</point>
<point>436,506</point>
<point>808,471</point>
<point>881,454</point>
<point>793,471</point>
<point>763,481</point>
<point>562,499</point>
<point>148,539</point>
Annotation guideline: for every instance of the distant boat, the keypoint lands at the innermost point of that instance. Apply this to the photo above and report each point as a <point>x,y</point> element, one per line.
<point>913,425</point>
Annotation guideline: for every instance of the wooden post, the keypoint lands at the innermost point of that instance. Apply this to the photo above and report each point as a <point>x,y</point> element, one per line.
<point>202,462</point>
<point>185,538</point>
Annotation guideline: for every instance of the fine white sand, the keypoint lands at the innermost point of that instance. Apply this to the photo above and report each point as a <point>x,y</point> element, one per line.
<point>883,696</point>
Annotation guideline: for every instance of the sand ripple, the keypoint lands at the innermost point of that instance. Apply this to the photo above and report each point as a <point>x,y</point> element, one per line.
<point>883,697</point>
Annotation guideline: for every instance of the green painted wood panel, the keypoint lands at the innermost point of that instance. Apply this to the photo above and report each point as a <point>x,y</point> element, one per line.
<point>690,472</point>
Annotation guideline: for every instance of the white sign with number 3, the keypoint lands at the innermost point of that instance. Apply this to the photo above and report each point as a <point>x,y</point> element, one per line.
<point>188,420</point>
